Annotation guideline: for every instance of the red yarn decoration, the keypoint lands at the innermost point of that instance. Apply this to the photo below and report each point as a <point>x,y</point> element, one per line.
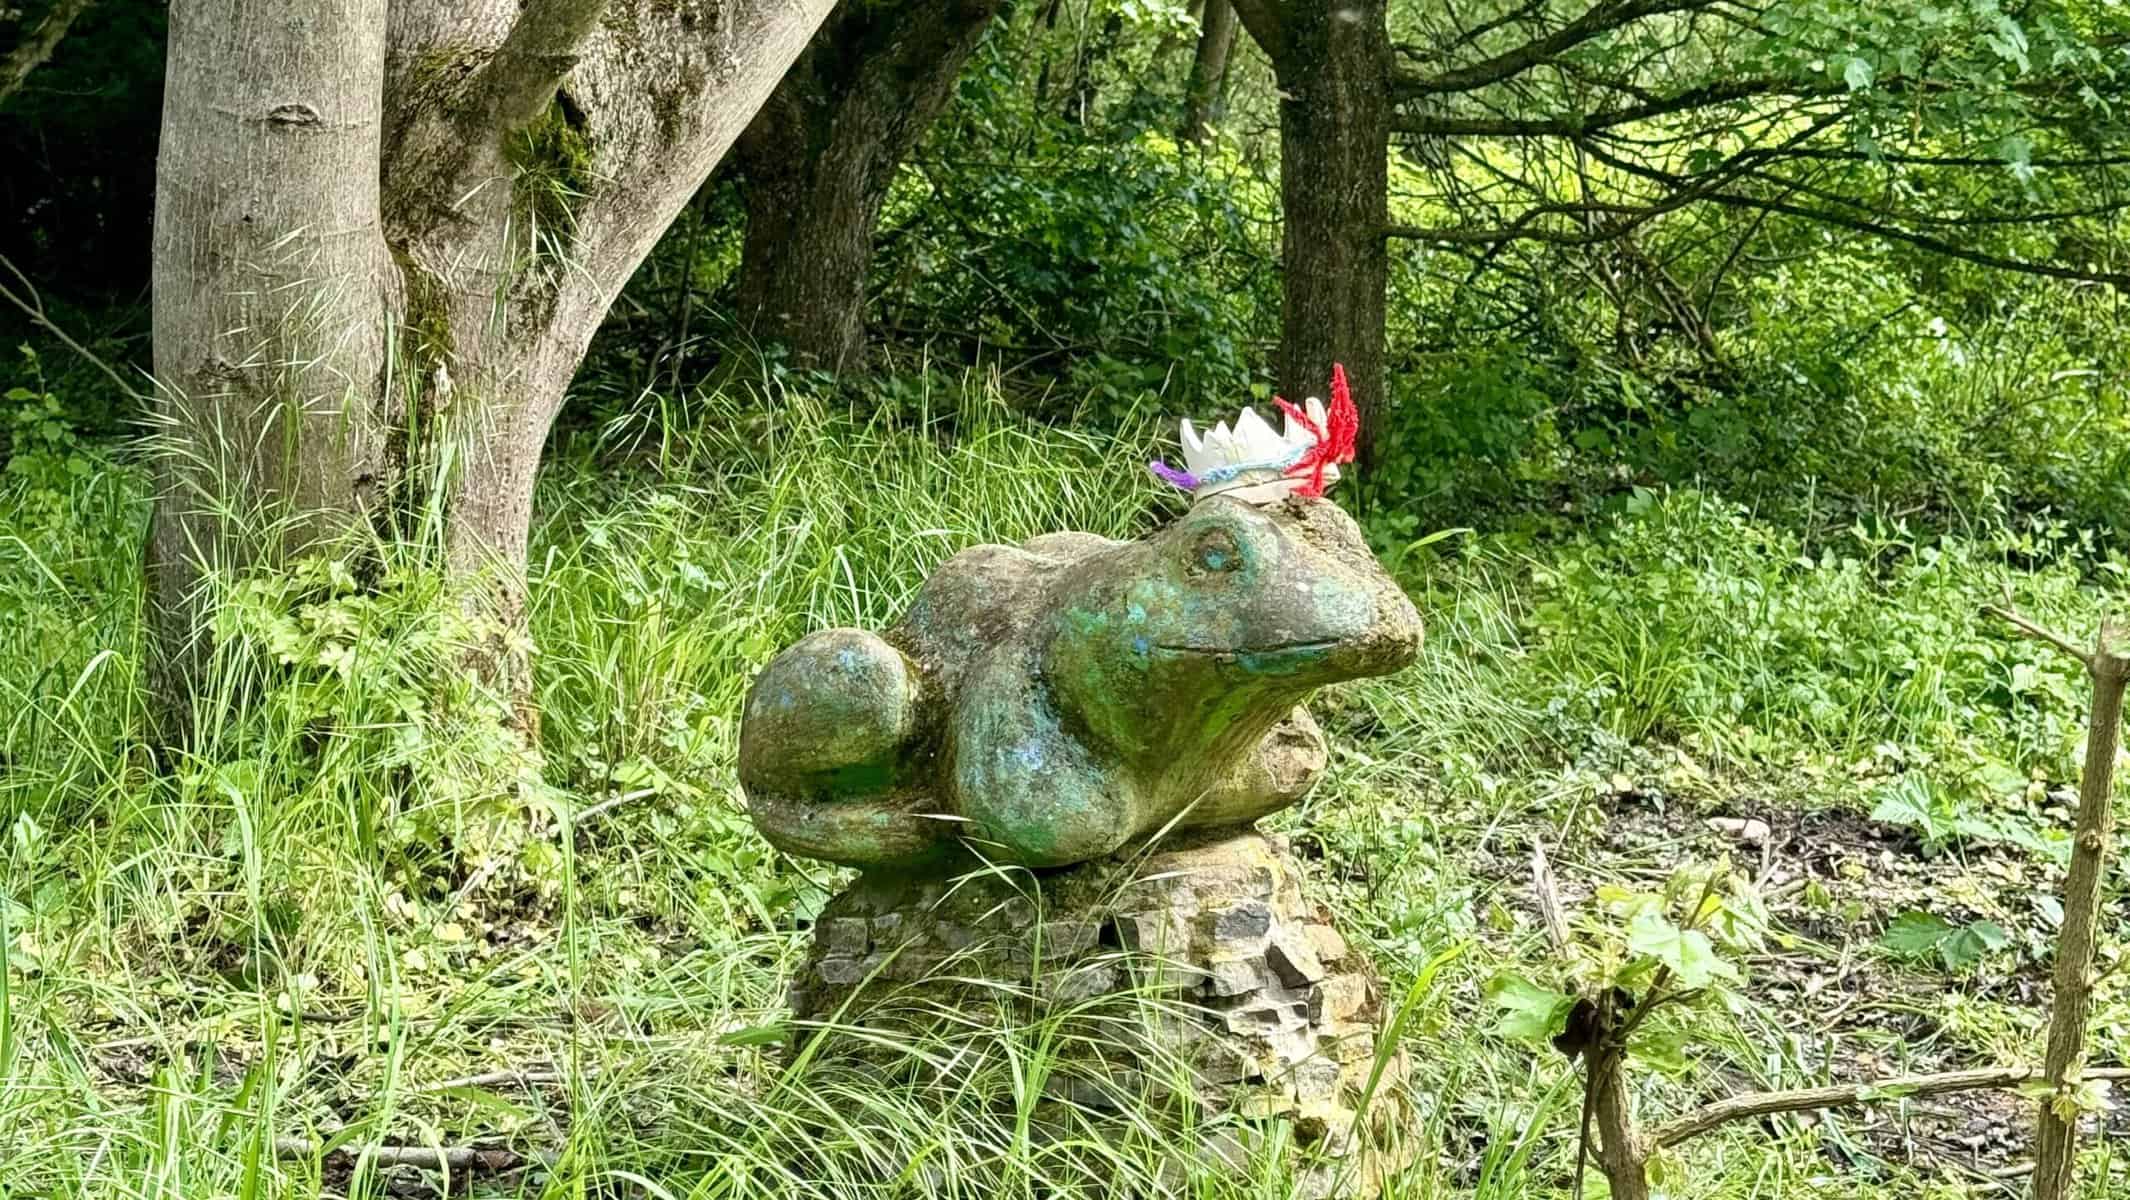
<point>1333,445</point>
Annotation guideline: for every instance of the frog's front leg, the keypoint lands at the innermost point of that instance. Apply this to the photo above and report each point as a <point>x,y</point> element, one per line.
<point>1031,792</point>
<point>1276,774</point>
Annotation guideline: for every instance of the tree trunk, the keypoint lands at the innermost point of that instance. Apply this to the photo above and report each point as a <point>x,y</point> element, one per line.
<point>270,298</point>
<point>1080,97</point>
<point>1205,96</point>
<point>2056,1136</point>
<point>819,158</point>
<point>1333,61</point>
<point>1621,1153</point>
<point>383,241</point>
<point>803,265</point>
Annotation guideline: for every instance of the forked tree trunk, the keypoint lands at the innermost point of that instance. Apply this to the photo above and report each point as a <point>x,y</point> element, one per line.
<point>1333,62</point>
<point>1205,95</point>
<point>384,236</point>
<point>819,158</point>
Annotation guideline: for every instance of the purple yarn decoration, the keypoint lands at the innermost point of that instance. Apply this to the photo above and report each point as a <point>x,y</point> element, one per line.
<point>1168,474</point>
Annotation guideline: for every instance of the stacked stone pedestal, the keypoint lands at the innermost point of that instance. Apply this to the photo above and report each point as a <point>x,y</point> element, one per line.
<point>1203,977</point>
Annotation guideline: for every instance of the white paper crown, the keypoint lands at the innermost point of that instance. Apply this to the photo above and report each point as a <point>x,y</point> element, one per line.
<point>1250,460</point>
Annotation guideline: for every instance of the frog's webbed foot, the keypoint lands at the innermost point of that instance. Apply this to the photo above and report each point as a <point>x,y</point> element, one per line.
<point>824,746</point>
<point>1276,775</point>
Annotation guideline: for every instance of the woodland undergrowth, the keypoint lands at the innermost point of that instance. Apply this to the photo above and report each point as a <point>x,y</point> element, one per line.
<point>313,931</point>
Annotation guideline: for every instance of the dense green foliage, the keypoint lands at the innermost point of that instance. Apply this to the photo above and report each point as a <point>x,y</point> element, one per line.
<point>1052,229</point>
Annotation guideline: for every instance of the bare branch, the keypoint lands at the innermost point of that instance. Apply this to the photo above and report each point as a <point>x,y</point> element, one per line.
<point>1958,160</point>
<point>1521,12</point>
<point>1866,225</point>
<point>1548,891</point>
<point>464,1159</point>
<point>1850,1095</point>
<point>32,306</point>
<point>36,46</point>
<point>2041,634</point>
<point>2072,980</point>
<point>510,1076</point>
<point>1706,96</point>
<point>1598,20</point>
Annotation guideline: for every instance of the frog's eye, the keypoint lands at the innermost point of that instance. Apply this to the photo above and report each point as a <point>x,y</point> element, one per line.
<point>1216,553</point>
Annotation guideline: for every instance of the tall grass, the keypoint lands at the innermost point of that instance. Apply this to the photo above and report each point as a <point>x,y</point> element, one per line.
<point>330,923</point>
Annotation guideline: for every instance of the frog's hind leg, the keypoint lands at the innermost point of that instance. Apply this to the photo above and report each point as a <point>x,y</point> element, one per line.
<point>826,743</point>
<point>869,831</point>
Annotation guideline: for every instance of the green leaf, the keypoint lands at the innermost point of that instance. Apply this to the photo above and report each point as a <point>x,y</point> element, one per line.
<point>754,1035</point>
<point>1915,934</point>
<point>1971,945</point>
<point>1905,801</point>
<point>1857,73</point>
<point>1529,1012</point>
<point>1920,935</point>
<point>1687,952</point>
<point>481,1098</point>
<point>1663,1049</point>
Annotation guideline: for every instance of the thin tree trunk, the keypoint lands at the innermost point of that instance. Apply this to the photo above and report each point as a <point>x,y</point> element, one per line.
<point>271,297</point>
<point>1080,97</point>
<point>1205,95</point>
<point>1621,1153</point>
<point>2056,1139</point>
<point>819,158</point>
<point>36,47</point>
<point>1333,61</point>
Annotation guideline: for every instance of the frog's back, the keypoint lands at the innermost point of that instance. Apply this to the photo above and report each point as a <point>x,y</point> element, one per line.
<point>984,597</point>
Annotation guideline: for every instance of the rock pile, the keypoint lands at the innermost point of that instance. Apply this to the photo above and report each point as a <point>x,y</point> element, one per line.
<point>1210,977</point>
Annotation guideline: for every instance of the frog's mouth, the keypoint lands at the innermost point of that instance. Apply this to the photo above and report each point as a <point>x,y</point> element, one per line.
<point>1279,659</point>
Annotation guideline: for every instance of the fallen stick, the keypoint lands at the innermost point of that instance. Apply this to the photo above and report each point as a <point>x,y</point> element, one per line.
<point>485,1160</point>
<point>509,1075</point>
<point>1851,1095</point>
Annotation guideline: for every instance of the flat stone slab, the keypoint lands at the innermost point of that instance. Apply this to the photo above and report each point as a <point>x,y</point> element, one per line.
<point>1215,981</point>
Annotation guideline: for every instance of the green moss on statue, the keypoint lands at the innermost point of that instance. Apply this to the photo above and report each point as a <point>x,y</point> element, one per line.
<point>1051,703</point>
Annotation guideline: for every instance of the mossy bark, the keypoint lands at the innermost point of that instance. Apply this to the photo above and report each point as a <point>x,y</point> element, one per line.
<point>385,235</point>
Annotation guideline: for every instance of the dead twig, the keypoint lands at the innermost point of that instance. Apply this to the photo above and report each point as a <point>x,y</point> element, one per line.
<point>2041,634</point>
<point>32,306</point>
<point>509,1076</point>
<point>1549,899</point>
<point>1849,1095</point>
<point>483,1160</point>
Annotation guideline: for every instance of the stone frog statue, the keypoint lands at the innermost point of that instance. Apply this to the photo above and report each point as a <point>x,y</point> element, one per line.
<point>1053,702</point>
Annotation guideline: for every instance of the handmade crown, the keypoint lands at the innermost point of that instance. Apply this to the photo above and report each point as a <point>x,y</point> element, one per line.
<point>1256,464</point>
